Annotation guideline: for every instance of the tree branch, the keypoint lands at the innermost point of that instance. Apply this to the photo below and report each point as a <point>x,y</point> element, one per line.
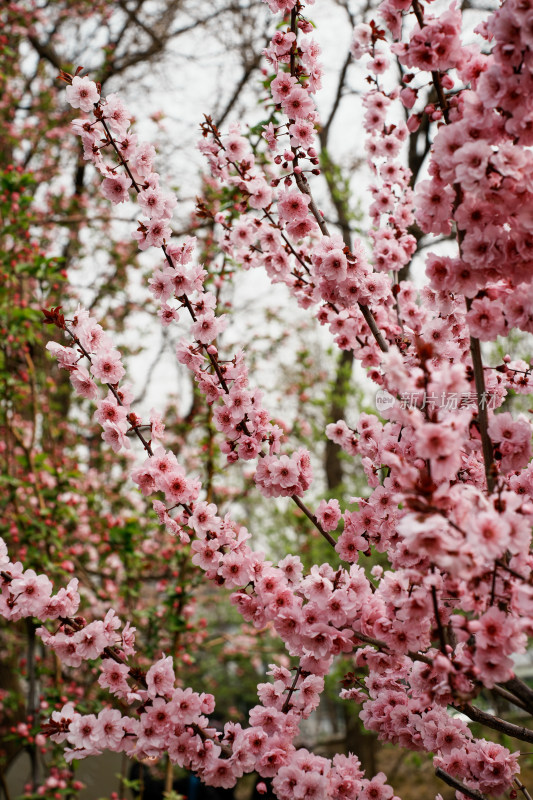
<point>479,378</point>
<point>460,787</point>
<point>497,724</point>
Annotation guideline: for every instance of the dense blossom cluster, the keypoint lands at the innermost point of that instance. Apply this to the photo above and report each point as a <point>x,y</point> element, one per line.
<point>485,150</point>
<point>178,284</point>
<point>450,497</point>
<point>291,240</point>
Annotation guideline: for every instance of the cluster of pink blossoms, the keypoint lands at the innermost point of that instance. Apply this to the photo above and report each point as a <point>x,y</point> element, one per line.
<point>105,366</point>
<point>293,245</point>
<point>456,604</point>
<point>485,150</point>
<point>240,415</point>
<point>391,209</point>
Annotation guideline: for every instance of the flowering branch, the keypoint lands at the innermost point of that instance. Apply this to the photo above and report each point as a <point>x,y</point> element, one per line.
<point>303,185</point>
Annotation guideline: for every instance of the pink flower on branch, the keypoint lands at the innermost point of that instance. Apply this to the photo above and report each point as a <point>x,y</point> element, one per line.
<point>107,367</point>
<point>116,188</point>
<point>82,93</point>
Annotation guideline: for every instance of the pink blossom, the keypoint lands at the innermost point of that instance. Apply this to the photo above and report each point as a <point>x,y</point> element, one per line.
<point>116,114</point>
<point>31,592</point>
<point>83,383</point>
<point>328,514</point>
<point>434,206</point>
<point>114,434</point>
<point>486,319</point>
<point>143,159</point>
<point>111,728</point>
<point>235,570</point>
<point>66,356</point>
<point>107,367</point>
<point>513,438</point>
<point>84,733</point>
<point>114,676</point>
<point>116,188</point>
<point>376,789</point>
<point>157,233</point>
<point>292,205</point>
<point>186,705</point>
<point>205,554</point>
<point>260,194</point>
<point>361,40</point>
<point>176,486</point>
<point>437,46</point>
<point>302,133</point>
<point>207,327</point>
<point>91,640</point>
<point>236,147</point>
<point>160,678</point>
<point>434,440</point>
<point>492,534</point>
<point>82,93</point>
<point>297,104</point>
<point>108,410</point>
<point>152,202</point>
<point>282,86</point>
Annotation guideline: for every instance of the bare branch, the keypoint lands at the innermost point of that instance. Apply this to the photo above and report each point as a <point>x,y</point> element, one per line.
<point>497,724</point>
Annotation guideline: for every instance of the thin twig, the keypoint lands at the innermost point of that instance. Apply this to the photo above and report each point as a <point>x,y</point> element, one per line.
<point>114,392</point>
<point>309,514</point>
<point>522,788</point>
<point>286,704</point>
<point>486,444</point>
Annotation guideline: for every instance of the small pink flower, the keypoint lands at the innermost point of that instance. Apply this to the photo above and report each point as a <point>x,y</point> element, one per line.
<point>31,592</point>
<point>157,425</point>
<point>236,147</point>
<point>486,320</point>
<point>361,40</point>
<point>116,188</point>
<point>83,93</point>
<point>302,133</point>
<point>83,383</point>
<point>328,514</point>
<point>143,159</point>
<point>114,677</point>
<point>114,434</point>
<point>108,410</point>
<point>282,86</point>
<point>293,205</point>
<point>116,114</point>
<point>298,104</point>
<point>160,678</point>
<point>83,732</point>
<point>111,728</point>
<point>207,327</point>
<point>152,202</point>
<point>107,367</point>
<point>157,232</point>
